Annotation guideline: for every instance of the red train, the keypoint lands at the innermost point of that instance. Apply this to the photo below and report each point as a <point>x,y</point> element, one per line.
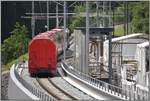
<point>43,51</point>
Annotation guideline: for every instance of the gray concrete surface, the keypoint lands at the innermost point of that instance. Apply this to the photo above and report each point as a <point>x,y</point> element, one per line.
<point>16,90</point>
<point>60,82</point>
<point>4,85</point>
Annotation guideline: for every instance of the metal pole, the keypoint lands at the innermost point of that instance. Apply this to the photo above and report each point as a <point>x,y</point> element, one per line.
<point>113,21</point>
<point>75,61</point>
<point>47,15</point>
<point>109,13</point>
<point>64,30</point>
<point>103,14</point>
<point>106,19</point>
<point>87,37</point>
<point>124,17</point>
<point>67,34</point>
<point>106,24</point>
<point>33,20</point>
<point>127,17</point>
<point>110,58</point>
<point>97,12</point>
<point>149,55</point>
<point>57,19</point>
<point>98,51</point>
<point>129,20</point>
<point>98,39</point>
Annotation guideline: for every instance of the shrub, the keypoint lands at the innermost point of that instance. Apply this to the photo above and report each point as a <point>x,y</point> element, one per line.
<point>16,44</point>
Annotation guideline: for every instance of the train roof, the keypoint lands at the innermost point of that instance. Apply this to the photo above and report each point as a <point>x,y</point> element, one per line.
<point>47,34</point>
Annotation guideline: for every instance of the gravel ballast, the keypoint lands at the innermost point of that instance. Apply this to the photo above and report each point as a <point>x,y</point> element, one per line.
<point>4,85</point>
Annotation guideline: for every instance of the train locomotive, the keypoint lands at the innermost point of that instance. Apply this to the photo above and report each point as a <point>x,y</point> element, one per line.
<point>43,50</point>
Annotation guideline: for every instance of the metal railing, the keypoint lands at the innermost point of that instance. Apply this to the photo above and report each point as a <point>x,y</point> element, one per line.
<point>33,90</point>
<point>122,93</point>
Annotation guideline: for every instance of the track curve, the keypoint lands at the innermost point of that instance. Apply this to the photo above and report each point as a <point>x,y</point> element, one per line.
<point>54,90</point>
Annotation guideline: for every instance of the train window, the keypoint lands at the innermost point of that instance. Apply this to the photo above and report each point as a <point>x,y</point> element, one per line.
<point>58,37</point>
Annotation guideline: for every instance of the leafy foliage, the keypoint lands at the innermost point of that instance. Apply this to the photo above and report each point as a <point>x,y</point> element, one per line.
<point>77,20</point>
<point>119,30</point>
<point>118,17</point>
<point>8,65</point>
<point>16,44</point>
<point>140,17</point>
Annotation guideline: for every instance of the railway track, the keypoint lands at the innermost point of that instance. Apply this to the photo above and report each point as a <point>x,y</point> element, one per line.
<point>55,91</point>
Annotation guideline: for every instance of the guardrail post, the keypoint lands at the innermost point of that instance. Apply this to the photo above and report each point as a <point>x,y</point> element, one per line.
<point>111,89</point>
<point>98,84</point>
<point>105,87</point>
<point>94,82</point>
<point>114,90</point>
<point>133,95</point>
<point>147,95</point>
<point>121,92</point>
<point>46,98</point>
<point>143,95</point>
<point>137,93</point>
<point>49,99</point>
<point>36,92</point>
<point>41,96</point>
<point>125,93</point>
<point>32,90</point>
<point>130,95</point>
<point>101,85</point>
<point>118,91</point>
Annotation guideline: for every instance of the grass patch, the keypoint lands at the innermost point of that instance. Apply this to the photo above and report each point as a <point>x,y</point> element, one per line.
<point>8,65</point>
<point>119,30</point>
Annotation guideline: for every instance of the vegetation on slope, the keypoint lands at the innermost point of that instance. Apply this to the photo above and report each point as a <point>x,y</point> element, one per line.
<point>140,17</point>
<point>119,30</point>
<point>15,45</point>
<point>8,65</point>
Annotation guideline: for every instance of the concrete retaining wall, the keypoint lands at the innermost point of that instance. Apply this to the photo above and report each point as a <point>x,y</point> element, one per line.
<point>16,90</point>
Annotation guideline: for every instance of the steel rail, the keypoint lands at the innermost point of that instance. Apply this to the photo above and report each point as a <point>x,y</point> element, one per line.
<point>65,92</point>
<point>112,90</point>
<point>54,90</point>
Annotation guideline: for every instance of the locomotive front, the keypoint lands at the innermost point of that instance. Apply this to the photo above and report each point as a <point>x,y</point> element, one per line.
<point>43,51</point>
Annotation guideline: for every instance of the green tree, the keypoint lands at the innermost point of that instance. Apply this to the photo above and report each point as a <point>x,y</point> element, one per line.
<point>76,20</point>
<point>16,44</point>
<point>140,17</point>
<point>119,15</point>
